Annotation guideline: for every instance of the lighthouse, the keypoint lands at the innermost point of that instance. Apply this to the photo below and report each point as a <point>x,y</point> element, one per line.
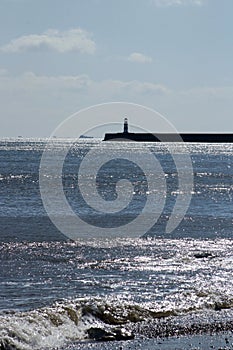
<point>125,126</point>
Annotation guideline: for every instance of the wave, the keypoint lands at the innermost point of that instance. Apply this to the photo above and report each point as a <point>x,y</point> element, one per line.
<point>102,319</point>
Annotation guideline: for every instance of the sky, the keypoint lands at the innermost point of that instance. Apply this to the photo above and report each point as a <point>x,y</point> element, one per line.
<point>59,56</point>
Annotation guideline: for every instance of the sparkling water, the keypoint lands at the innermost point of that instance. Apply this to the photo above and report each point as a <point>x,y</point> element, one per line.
<point>54,289</point>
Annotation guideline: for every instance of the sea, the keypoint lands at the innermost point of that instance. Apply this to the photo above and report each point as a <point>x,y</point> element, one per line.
<point>60,292</point>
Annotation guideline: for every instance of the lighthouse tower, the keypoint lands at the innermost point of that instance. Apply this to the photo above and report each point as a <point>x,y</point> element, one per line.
<point>125,126</point>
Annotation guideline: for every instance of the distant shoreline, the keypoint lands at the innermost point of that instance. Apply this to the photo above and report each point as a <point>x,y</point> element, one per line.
<point>170,137</point>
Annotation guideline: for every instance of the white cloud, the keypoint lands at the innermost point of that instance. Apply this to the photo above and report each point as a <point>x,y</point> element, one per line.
<point>77,40</point>
<point>80,83</point>
<point>208,92</point>
<point>83,85</point>
<point>167,3</point>
<point>35,104</point>
<point>139,58</point>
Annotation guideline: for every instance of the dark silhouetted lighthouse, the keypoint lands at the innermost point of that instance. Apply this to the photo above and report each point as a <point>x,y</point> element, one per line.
<point>125,126</point>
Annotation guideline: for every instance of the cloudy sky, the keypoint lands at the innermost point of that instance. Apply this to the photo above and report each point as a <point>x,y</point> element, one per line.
<point>59,56</point>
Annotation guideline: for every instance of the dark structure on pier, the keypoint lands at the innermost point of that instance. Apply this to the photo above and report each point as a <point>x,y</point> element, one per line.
<point>168,137</point>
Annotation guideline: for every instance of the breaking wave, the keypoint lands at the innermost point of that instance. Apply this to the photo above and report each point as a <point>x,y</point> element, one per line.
<point>101,319</point>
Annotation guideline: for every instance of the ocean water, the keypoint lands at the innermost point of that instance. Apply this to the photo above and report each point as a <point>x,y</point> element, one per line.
<point>56,292</point>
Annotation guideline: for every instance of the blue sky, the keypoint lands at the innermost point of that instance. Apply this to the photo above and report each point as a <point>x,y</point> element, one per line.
<point>57,57</point>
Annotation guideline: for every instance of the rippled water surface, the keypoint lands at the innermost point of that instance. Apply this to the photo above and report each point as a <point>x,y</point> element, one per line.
<point>54,290</point>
